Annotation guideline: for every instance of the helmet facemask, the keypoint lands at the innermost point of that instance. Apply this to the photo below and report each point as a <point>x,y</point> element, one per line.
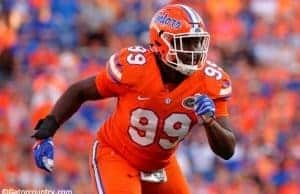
<point>187,51</point>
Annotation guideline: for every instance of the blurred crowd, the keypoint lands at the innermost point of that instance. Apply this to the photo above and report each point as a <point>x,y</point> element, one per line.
<point>45,45</point>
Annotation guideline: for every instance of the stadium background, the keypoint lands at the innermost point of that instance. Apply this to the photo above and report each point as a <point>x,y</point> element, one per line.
<point>45,45</point>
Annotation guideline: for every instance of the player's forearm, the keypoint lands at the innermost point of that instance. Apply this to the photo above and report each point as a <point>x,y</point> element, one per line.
<point>221,139</point>
<point>73,98</point>
<point>67,104</point>
<point>64,108</point>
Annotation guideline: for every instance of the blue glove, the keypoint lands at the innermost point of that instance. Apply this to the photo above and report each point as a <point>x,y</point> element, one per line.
<point>204,106</point>
<point>43,152</point>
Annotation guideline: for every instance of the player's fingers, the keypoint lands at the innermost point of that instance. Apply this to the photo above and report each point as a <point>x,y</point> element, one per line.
<point>38,158</point>
<point>200,107</point>
<point>206,110</point>
<point>200,98</point>
<point>49,151</point>
<point>205,104</point>
<point>48,163</point>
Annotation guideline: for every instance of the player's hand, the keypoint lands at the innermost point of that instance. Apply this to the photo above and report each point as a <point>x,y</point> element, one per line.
<point>204,106</point>
<point>43,154</point>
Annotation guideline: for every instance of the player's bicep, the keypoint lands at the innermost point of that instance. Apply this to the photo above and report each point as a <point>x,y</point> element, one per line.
<point>87,89</point>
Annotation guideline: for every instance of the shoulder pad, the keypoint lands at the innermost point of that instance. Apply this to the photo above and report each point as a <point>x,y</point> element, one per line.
<point>217,81</point>
<point>128,65</point>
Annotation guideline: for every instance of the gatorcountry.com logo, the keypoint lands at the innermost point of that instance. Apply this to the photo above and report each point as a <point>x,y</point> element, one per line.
<point>165,19</point>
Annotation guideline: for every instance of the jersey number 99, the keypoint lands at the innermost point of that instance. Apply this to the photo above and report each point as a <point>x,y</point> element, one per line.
<point>144,126</point>
<point>136,56</point>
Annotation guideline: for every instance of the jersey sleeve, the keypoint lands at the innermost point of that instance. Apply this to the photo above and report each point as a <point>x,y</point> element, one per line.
<point>108,80</point>
<point>217,83</point>
<point>222,95</point>
<point>221,107</point>
<point>125,72</point>
<point>218,87</point>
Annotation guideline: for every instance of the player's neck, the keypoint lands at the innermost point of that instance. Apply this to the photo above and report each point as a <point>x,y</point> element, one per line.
<point>169,75</point>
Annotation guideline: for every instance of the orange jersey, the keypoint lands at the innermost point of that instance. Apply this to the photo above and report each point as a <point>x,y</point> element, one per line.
<point>149,120</point>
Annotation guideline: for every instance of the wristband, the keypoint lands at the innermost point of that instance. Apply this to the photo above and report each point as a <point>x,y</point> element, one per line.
<point>46,127</point>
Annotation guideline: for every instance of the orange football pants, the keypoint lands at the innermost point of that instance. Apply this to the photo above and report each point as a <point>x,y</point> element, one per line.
<point>112,174</point>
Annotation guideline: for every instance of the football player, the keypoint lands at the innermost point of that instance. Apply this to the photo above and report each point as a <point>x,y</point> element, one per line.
<point>163,91</point>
